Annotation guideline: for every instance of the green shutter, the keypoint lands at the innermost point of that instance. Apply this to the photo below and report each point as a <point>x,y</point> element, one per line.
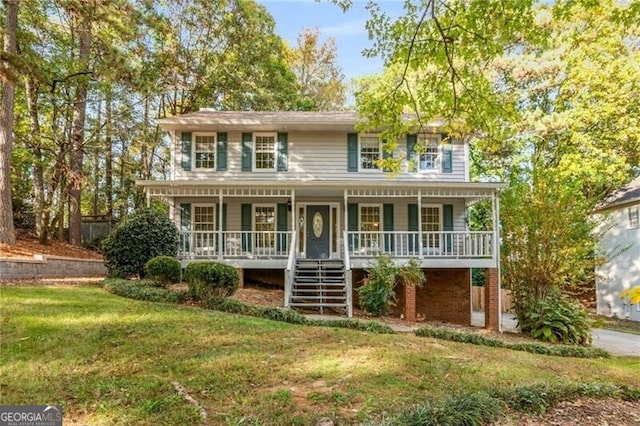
<point>352,212</point>
<point>447,158</point>
<point>221,152</point>
<point>413,227</point>
<point>247,148</point>
<point>282,225</point>
<point>447,225</point>
<point>185,225</point>
<point>245,225</point>
<point>386,155</point>
<point>412,166</point>
<point>283,152</point>
<point>352,152</point>
<point>186,151</point>
<point>387,226</point>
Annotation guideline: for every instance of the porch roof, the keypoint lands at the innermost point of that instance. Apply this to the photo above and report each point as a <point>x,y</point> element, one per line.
<point>209,119</point>
<point>325,188</point>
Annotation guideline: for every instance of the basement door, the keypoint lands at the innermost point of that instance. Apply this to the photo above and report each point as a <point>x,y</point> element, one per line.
<point>317,232</point>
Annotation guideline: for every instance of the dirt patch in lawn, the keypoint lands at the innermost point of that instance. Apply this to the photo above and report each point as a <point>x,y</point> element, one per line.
<point>585,412</point>
<point>260,296</point>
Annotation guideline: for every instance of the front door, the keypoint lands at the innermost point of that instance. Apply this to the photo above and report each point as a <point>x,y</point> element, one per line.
<point>317,232</point>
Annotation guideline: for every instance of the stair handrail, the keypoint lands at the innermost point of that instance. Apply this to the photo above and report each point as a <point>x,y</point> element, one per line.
<point>290,271</point>
<point>347,273</point>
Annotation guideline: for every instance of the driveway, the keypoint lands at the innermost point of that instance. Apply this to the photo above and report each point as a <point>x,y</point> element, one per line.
<point>615,342</point>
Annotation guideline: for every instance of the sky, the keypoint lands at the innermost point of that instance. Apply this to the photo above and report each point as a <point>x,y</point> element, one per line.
<point>348,28</point>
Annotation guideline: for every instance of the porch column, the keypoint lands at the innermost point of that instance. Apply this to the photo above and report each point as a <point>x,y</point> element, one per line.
<point>293,210</point>
<point>148,197</point>
<point>492,299</point>
<point>409,302</point>
<point>220,234</point>
<point>420,254</point>
<point>497,248</point>
<point>345,223</point>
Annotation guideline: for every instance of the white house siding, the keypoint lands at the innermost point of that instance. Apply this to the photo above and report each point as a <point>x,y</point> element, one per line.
<point>621,272</point>
<point>317,156</point>
<point>400,211</point>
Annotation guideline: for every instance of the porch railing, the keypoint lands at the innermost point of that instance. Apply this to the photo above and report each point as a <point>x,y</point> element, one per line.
<point>440,244</point>
<point>213,244</point>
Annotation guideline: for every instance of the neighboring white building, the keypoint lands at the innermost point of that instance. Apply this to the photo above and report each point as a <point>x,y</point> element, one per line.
<point>296,199</point>
<point>622,241</point>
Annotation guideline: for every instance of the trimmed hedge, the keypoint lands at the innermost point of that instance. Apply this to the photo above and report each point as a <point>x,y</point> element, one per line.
<point>370,326</point>
<point>163,270</point>
<point>536,348</point>
<point>142,290</point>
<point>211,280</point>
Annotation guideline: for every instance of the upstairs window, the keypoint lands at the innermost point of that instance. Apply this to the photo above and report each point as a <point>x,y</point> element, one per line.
<point>265,152</point>
<point>369,152</point>
<point>428,159</point>
<point>634,217</point>
<point>205,151</point>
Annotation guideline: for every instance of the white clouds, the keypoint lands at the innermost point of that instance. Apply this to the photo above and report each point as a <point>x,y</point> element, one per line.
<point>355,27</point>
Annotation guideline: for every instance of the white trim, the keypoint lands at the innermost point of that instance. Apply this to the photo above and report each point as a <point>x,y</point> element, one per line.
<point>193,150</point>
<point>193,214</point>
<point>434,140</point>
<point>380,156</point>
<point>254,151</point>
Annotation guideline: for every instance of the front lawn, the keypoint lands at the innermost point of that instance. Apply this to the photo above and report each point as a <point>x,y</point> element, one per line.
<point>110,360</point>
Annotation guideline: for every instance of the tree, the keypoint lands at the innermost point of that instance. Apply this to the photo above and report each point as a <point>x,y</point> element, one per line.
<point>7,232</point>
<point>319,77</point>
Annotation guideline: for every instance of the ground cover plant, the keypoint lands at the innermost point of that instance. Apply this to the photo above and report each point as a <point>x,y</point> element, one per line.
<point>111,360</point>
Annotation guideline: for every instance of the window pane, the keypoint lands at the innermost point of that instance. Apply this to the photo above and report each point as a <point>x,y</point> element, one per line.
<point>369,152</point>
<point>203,218</point>
<point>205,152</point>
<point>634,217</point>
<point>431,223</point>
<point>265,222</point>
<point>429,157</point>
<point>265,152</point>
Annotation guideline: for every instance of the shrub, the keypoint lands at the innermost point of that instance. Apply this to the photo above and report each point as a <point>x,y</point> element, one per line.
<point>230,305</point>
<point>464,409</point>
<point>142,290</point>
<point>141,236</point>
<point>279,314</point>
<point>556,319</point>
<point>369,326</point>
<point>536,348</point>
<point>164,270</point>
<point>207,280</point>
<point>377,295</point>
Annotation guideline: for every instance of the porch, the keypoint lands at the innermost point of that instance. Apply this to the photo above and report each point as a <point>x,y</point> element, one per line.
<point>361,245</point>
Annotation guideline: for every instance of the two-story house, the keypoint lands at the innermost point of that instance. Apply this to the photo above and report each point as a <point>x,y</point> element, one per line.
<point>299,195</point>
<point>621,243</point>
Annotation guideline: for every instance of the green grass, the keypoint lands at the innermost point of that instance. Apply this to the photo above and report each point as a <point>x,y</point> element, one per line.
<point>616,324</point>
<point>111,360</point>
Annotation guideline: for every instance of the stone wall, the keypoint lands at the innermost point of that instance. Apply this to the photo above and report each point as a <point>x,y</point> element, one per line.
<point>50,267</point>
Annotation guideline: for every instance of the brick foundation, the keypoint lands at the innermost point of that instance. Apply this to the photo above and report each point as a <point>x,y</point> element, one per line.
<point>491,299</point>
<point>446,296</point>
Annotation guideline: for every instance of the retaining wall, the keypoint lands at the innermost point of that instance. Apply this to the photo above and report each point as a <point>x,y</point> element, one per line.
<point>50,267</point>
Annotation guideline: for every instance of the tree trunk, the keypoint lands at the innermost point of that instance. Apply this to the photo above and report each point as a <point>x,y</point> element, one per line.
<point>108,169</point>
<point>39,192</point>
<point>7,231</point>
<point>77,131</point>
